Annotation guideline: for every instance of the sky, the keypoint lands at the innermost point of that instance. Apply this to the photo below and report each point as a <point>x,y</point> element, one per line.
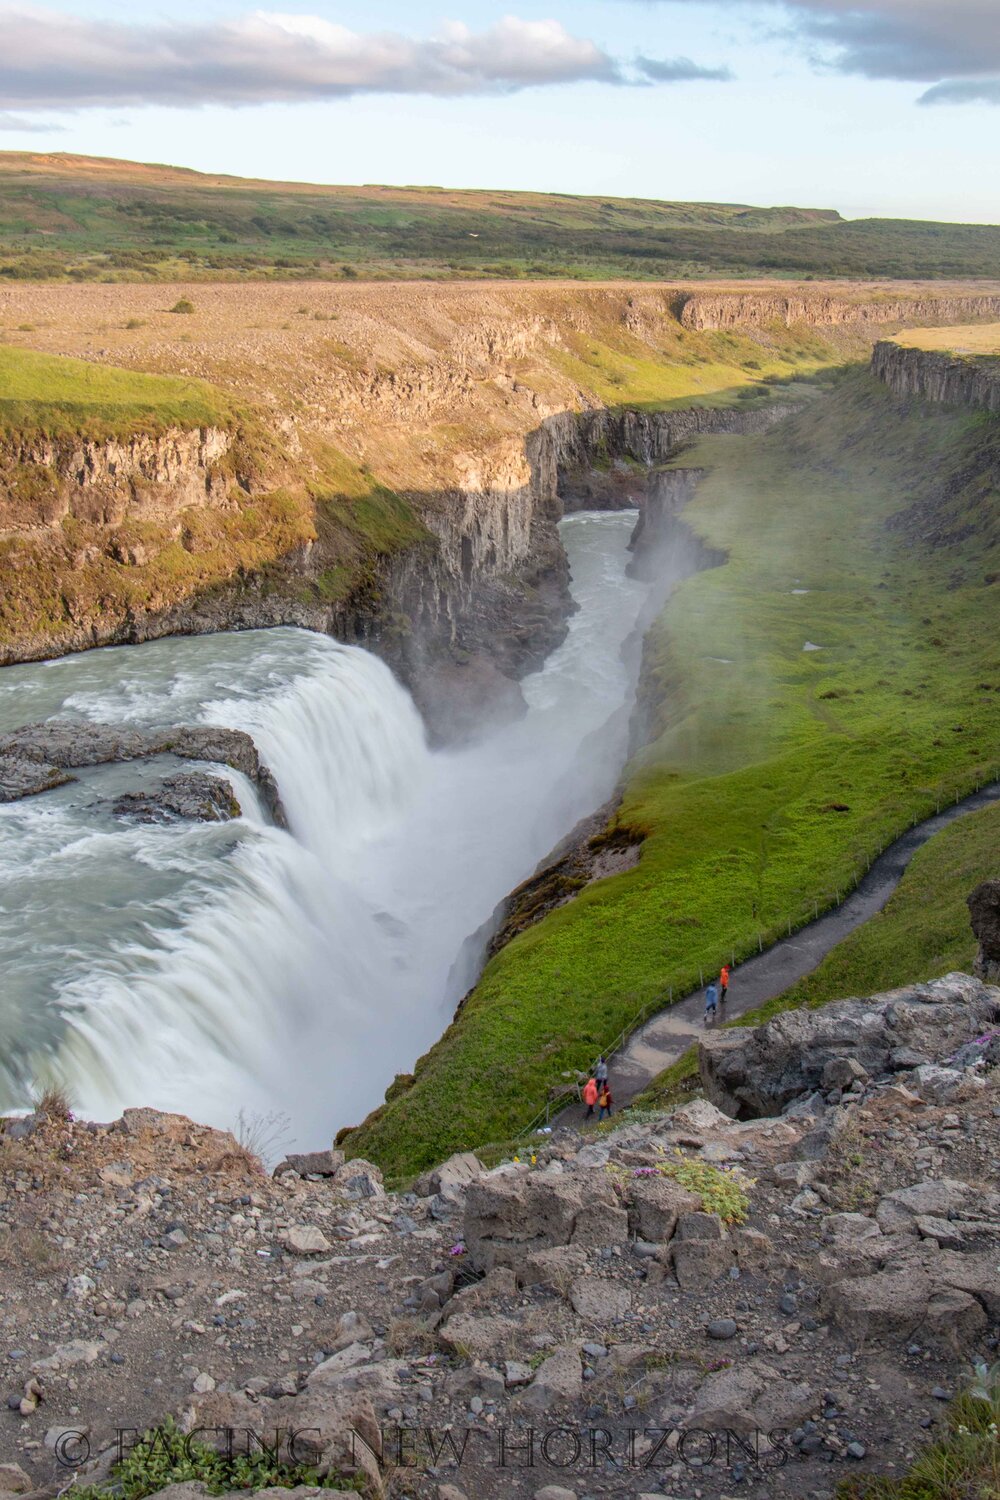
<point>873,107</point>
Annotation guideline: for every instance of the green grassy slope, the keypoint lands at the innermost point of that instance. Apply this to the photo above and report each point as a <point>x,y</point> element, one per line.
<point>775,771</point>
<point>54,396</point>
<point>84,217</point>
<point>922,933</point>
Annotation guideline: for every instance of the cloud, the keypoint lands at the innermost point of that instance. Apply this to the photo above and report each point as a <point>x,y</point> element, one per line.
<point>54,61</point>
<point>954,45</point>
<point>679,70</point>
<point>35,127</point>
<point>985,91</point>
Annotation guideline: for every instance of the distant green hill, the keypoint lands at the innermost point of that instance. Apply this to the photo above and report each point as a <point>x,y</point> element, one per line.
<point>76,217</point>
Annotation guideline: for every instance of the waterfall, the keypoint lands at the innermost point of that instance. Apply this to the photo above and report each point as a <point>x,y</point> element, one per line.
<point>219,968</point>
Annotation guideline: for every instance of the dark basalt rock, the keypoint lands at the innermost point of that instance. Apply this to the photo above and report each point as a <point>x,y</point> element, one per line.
<point>36,751</point>
<point>190,795</point>
<point>21,778</point>
<point>984,910</point>
<point>751,1072</point>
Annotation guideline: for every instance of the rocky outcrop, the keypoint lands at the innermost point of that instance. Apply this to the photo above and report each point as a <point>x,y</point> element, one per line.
<point>984,909</point>
<point>25,778</point>
<point>145,477</point>
<point>932,376</point>
<point>508,1218</point>
<point>59,745</point>
<point>193,796</point>
<point>751,1072</point>
<point>759,309</point>
<point>607,458</point>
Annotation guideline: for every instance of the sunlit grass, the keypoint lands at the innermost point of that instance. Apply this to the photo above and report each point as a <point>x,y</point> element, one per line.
<point>50,394</point>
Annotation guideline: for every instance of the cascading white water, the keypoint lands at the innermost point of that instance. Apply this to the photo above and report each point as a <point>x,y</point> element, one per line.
<point>214,968</point>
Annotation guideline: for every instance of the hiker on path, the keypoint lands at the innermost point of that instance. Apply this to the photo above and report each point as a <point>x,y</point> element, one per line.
<point>723,983</point>
<point>605,1102</point>
<point>601,1071</point>
<point>590,1092</point>
<point>711,1003</point>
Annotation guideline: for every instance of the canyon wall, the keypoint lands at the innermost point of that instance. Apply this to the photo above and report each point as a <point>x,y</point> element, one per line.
<point>935,376</point>
<point>759,309</point>
<point>144,477</point>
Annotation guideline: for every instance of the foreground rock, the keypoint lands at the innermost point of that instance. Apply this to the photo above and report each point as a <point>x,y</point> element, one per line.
<point>749,1072</point>
<point>26,778</point>
<point>157,1269</point>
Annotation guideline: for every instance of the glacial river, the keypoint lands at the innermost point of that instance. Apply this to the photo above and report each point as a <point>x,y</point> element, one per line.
<point>220,968</point>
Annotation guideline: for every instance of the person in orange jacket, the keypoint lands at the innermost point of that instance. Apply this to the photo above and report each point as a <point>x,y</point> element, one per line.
<point>590,1096</point>
<point>723,983</point>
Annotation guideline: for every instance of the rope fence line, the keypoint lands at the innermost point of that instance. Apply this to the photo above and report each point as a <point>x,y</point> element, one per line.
<point>665,998</point>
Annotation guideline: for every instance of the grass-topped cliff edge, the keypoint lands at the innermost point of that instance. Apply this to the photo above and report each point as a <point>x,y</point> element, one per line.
<point>125,495</point>
<point>865,527</point>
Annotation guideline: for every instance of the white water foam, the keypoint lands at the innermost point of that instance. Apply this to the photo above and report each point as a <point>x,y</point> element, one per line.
<point>218,968</point>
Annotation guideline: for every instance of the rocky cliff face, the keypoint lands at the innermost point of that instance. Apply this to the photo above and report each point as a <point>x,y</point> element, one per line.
<point>143,478</point>
<point>759,309</point>
<point>934,376</point>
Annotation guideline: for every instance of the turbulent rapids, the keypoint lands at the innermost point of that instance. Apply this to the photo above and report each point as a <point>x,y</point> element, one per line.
<point>215,968</point>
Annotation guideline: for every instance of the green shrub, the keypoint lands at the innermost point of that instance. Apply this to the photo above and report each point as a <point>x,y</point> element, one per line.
<point>164,1456</point>
<point>722,1190</point>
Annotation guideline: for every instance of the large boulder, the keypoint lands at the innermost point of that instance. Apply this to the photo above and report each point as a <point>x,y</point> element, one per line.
<point>511,1215</point>
<point>750,1072</point>
<point>192,795</point>
<point>900,1305</point>
<point>940,1198</point>
<point>557,1379</point>
<point>553,1269</point>
<point>655,1205</point>
<point>358,1179</point>
<point>334,1420</point>
<point>311,1164</point>
<point>984,910</point>
<point>751,1398</point>
<point>944,1297</point>
<point>469,1336</point>
<point>451,1178</point>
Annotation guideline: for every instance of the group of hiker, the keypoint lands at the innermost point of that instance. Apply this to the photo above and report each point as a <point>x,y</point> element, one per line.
<point>715,995</point>
<point>597,1090</point>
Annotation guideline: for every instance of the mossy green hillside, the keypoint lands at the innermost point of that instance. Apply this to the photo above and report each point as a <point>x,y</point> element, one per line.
<point>922,933</point>
<point>692,368</point>
<point>54,397</point>
<point>863,527</point>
